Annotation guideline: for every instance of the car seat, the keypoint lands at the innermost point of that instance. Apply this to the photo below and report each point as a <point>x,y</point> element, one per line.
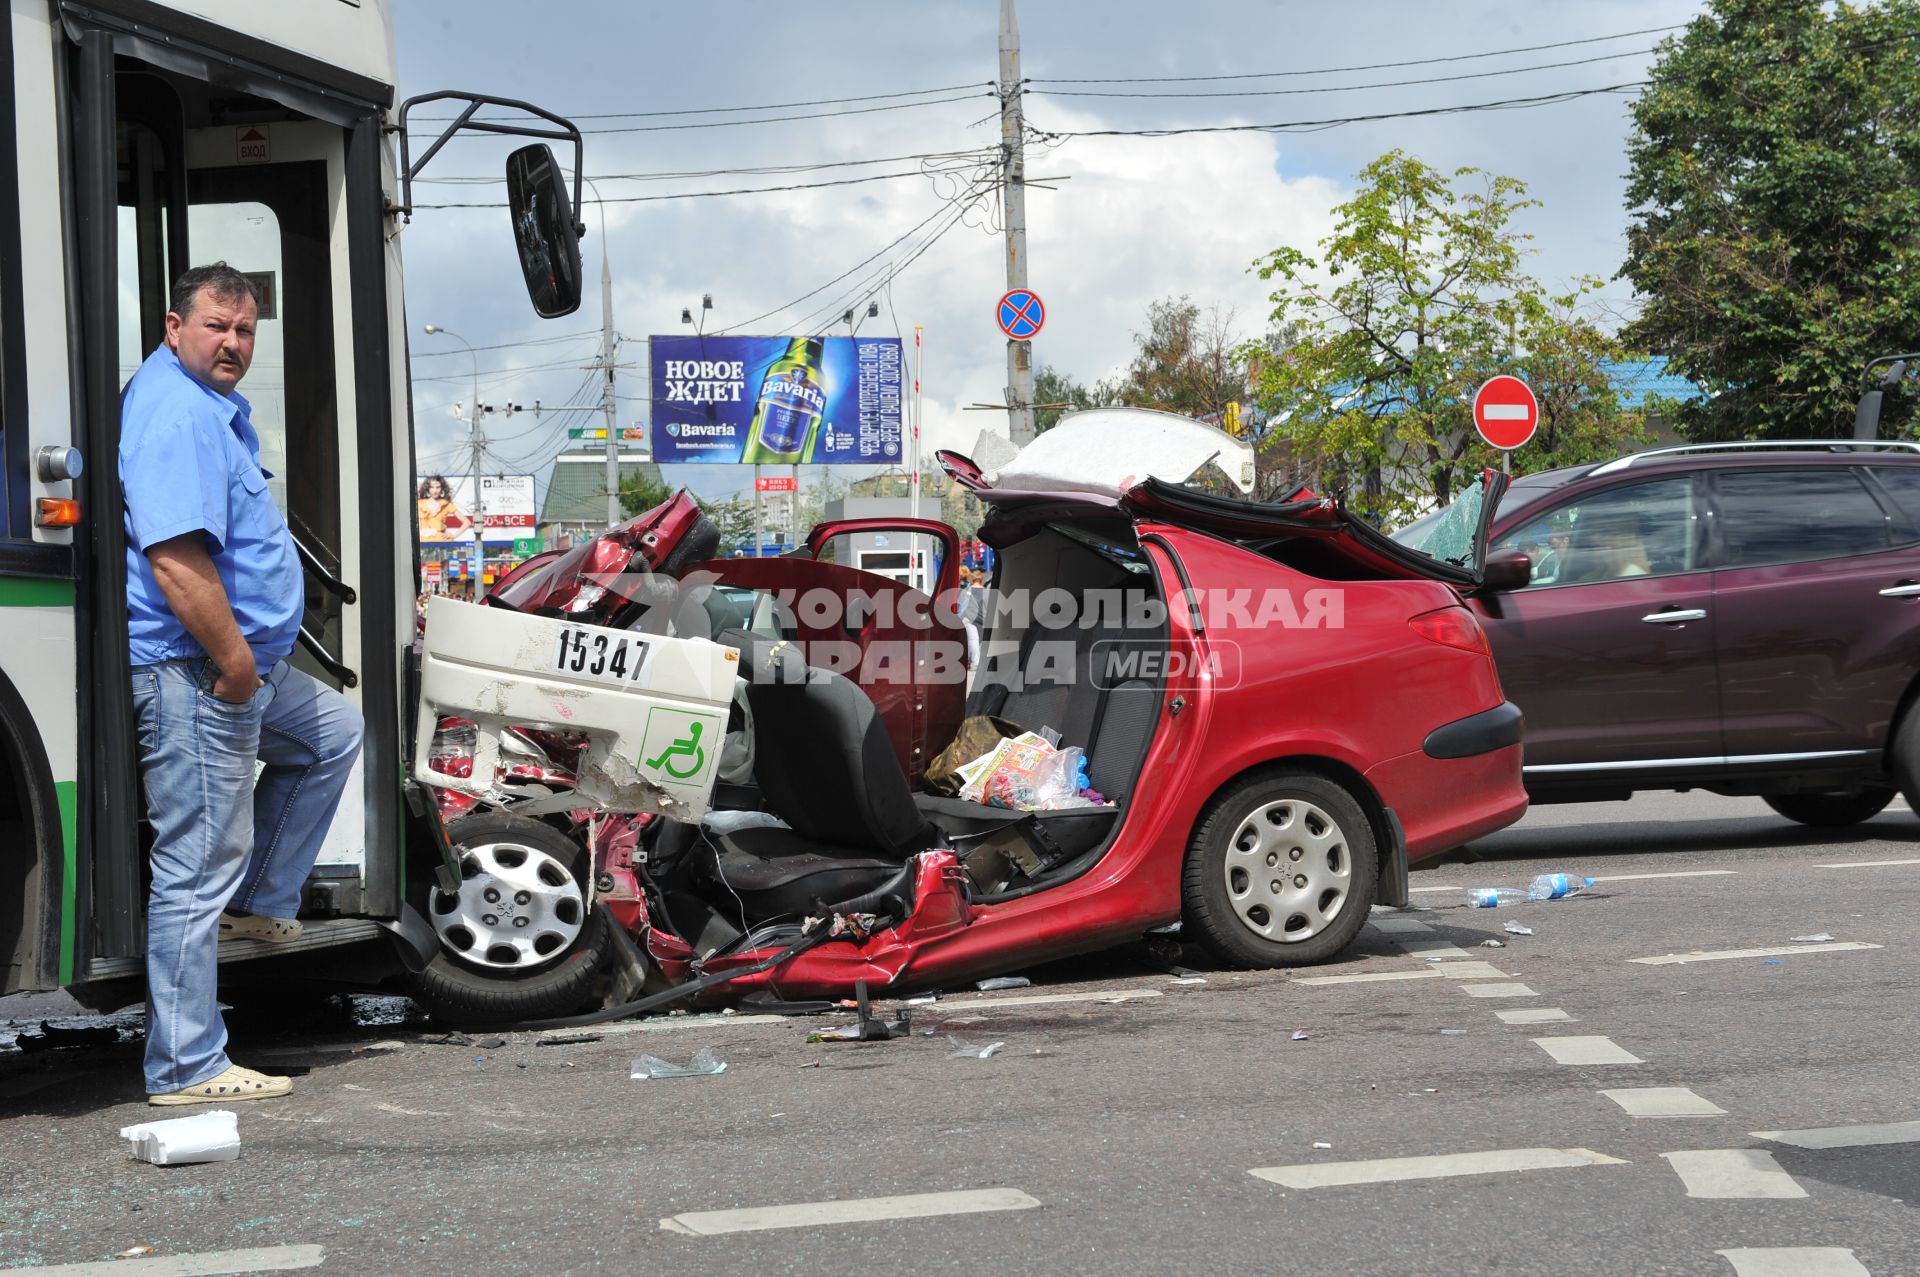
<point>825,766</point>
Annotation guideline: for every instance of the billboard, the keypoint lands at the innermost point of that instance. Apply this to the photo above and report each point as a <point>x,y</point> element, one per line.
<point>780,400</point>
<point>443,508</point>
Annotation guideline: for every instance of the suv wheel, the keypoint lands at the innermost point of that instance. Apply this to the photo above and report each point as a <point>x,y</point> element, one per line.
<point>1281,872</point>
<point>1834,809</point>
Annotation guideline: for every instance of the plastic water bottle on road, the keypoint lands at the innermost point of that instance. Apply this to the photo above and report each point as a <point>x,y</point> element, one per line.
<point>1545,887</point>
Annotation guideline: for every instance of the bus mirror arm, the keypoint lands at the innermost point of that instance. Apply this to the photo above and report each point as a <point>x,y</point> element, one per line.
<point>563,130</point>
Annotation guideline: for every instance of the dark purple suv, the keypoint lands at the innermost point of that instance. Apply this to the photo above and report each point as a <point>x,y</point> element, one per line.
<point>1741,618</point>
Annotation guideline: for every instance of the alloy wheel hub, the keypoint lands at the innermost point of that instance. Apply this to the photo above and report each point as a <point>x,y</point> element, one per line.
<point>1288,871</point>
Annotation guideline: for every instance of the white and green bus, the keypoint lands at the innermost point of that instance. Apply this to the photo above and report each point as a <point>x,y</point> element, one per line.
<point>144,137</point>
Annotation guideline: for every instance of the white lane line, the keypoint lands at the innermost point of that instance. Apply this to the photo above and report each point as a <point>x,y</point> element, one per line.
<point>1733,1173</point>
<point>1535,1015</point>
<point>1393,924</point>
<point>1497,991</point>
<point>663,1024</point>
<point>1456,890</point>
<point>1368,977</point>
<point>1867,864</point>
<point>857,1210</point>
<point>1683,873</point>
<point>1586,1050</point>
<point>1433,947</point>
<point>1794,1261</point>
<point>1846,1136</point>
<point>1663,1101</point>
<point>266,1259</point>
<point>1775,951</point>
<point>1471,971</point>
<point>1387,1170</point>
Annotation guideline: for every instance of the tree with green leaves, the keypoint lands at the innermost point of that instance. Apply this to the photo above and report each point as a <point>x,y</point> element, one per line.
<point>1416,298</point>
<point>1187,361</point>
<point>1775,202</point>
<point>641,491</point>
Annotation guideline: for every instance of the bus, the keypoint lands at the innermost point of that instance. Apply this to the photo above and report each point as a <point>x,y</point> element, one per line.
<point>146,136</point>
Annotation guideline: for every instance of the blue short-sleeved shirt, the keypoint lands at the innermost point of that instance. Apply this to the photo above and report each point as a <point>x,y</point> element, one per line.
<point>190,462</point>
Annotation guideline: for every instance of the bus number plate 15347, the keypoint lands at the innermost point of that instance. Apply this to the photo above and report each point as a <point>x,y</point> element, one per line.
<point>617,658</point>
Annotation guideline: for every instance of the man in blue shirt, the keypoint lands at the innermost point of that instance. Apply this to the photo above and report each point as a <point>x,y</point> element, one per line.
<point>214,601</point>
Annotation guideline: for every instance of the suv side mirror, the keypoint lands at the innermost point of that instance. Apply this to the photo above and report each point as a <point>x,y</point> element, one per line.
<point>1507,570</point>
<point>544,231</point>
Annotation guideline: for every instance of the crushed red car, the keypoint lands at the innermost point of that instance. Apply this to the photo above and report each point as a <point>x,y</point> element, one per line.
<point>1271,711</point>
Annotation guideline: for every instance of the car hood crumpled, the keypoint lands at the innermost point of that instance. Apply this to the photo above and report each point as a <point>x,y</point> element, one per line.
<point>1106,451</point>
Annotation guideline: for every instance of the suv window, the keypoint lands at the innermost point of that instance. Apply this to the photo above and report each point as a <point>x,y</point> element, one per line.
<point>1640,529</point>
<point>1792,516</point>
<point>1902,483</point>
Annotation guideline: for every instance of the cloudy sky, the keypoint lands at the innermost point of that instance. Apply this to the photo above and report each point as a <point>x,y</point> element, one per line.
<point>1135,218</point>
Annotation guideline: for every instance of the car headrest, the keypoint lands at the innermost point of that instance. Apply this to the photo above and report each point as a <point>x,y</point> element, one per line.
<point>765,660</point>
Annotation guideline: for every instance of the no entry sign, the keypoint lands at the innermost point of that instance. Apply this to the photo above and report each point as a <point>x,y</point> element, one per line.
<point>1505,412</point>
<point>1021,314</point>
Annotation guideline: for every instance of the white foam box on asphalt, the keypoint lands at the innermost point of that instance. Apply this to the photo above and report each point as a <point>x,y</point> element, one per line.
<point>212,1136</point>
<point>654,707</point>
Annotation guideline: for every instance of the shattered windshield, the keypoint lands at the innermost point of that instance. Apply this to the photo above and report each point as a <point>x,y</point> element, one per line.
<point>1448,533</point>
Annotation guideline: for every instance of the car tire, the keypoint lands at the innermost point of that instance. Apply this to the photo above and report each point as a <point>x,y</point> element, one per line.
<point>1835,809</point>
<point>498,971</point>
<point>1305,823</point>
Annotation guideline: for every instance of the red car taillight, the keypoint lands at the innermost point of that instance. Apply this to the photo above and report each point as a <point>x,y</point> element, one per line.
<point>1452,627</point>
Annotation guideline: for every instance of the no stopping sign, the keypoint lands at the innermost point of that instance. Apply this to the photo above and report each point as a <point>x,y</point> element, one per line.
<point>1505,412</point>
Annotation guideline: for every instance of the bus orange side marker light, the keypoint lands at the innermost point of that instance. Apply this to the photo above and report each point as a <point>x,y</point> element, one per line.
<point>57,512</point>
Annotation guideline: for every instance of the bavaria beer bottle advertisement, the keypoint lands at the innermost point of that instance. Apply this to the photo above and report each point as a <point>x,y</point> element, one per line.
<point>778,400</point>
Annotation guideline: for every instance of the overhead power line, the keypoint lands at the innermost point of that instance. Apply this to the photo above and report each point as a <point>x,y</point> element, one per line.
<point>701,195</point>
<point>764,170</point>
<point>1505,104</point>
<point>505,345</point>
<point>770,119</point>
<point>1370,66</point>
<point>731,110</point>
<point>1351,88</point>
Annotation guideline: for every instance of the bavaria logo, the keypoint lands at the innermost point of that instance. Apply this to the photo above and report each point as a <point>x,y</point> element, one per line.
<point>673,427</point>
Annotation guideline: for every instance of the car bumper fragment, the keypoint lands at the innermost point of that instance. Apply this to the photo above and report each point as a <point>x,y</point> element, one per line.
<point>1482,733</point>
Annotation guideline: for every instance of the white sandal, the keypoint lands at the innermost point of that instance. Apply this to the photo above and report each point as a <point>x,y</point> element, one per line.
<point>254,926</point>
<point>234,1084</point>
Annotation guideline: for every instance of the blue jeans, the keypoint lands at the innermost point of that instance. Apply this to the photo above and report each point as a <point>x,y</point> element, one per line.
<point>223,840</point>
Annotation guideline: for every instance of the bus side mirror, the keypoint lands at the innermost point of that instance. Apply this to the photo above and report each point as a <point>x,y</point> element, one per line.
<point>544,232</point>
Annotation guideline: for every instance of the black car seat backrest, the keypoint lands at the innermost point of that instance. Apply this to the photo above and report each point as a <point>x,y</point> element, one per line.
<point>827,767</point>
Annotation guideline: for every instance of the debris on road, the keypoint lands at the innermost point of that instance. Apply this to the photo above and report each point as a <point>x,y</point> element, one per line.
<point>135,1252</point>
<point>923,999</point>
<point>1453,1033</point>
<point>1493,944</point>
<point>213,1136</point>
<point>1299,1035</point>
<point>54,1035</point>
<point>704,1064</point>
<point>1518,928</point>
<point>1188,979</point>
<point>964,1050</point>
<point>578,1039</point>
<point>1822,938</point>
<point>1321,1144</point>
<point>1004,982</point>
<point>868,1028</point>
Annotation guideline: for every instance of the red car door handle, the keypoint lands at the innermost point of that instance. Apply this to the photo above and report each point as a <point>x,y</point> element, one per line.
<point>1904,590</point>
<point>1676,616</point>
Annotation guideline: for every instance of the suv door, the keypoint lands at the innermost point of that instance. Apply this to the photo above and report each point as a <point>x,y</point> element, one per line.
<point>1814,656</point>
<point>1610,650</point>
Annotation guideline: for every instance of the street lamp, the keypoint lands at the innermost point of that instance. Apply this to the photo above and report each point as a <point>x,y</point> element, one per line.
<point>475,442</point>
<point>873,312</point>
<point>686,314</point>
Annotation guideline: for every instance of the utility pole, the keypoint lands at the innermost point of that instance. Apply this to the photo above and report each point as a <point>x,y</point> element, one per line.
<point>608,359</point>
<point>1014,195</point>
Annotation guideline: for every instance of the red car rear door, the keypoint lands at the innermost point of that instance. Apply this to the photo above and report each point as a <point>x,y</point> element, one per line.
<point>904,649</point>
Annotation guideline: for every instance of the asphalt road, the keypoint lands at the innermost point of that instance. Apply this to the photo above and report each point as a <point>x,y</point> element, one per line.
<point>1181,1128</point>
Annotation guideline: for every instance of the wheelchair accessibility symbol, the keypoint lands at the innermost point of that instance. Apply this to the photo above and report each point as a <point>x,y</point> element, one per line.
<point>675,744</point>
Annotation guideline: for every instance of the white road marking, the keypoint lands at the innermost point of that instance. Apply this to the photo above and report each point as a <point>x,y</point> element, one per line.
<point>1586,1050</point>
<point>1431,947</point>
<point>1535,1015</point>
<point>266,1259</point>
<point>1776,951</point>
<point>858,1210</point>
<point>1457,890</point>
<point>1369,977</point>
<point>1388,1170</point>
<point>665,1024</point>
<point>1471,971</point>
<point>1394,924</point>
<point>1867,864</point>
<point>1733,1173</point>
<point>1663,1101</point>
<point>1794,1261</point>
<point>1846,1136</point>
<point>1683,873</point>
<point>1497,991</point>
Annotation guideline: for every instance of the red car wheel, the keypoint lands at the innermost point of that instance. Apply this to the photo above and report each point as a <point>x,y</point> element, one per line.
<point>1281,871</point>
